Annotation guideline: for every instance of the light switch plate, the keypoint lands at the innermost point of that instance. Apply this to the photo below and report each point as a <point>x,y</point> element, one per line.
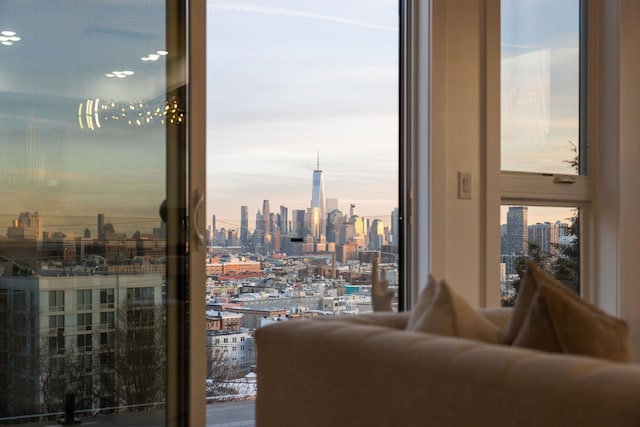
<point>464,185</point>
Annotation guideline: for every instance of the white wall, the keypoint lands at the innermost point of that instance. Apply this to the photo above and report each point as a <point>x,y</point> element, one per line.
<point>458,141</point>
<point>617,201</point>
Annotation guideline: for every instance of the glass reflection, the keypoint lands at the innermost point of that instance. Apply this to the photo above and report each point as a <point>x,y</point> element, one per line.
<point>82,247</point>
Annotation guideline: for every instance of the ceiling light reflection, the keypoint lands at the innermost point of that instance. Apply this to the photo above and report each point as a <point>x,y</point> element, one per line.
<point>95,114</point>
<point>120,74</point>
<point>7,38</point>
<point>154,56</point>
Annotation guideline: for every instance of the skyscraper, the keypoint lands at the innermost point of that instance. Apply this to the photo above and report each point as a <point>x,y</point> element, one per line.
<point>517,230</point>
<point>317,214</point>
<point>335,218</point>
<point>395,226</point>
<point>266,217</point>
<point>244,225</point>
<point>283,222</point>
<point>101,233</point>
<point>297,223</point>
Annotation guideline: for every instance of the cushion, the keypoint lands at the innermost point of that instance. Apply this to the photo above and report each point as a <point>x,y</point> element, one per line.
<point>549,317</point>
<point>440,310</point>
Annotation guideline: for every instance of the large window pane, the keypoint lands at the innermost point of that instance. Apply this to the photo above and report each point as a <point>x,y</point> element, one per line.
<point>302,167</point>
<point>540,73</point>
<point>83,137</point>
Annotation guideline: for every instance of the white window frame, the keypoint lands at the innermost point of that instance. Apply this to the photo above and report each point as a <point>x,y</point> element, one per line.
<point>608,196</point>
<point>522,188</point>
<point>416,165</point>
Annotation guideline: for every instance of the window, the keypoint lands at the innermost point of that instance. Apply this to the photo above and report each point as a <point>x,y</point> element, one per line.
<point>106,339</point>
<point>549,236</point>
<point>94,125</point>
<point>140,296</point>
<point>84,299</point>
<point>84,342</point>
<point>56,344</point>
<point>56,322</point>
<point>107,299</point>
<point>107,360</point>
<point>107,319</point>
<point>545,191</point>
<point>303,153</point>
<point>56,300</point>
<point>85,321</point>
<point>540,86</point>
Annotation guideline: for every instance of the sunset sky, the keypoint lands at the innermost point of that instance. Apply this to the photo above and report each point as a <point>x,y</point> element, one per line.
<point>287,80</point>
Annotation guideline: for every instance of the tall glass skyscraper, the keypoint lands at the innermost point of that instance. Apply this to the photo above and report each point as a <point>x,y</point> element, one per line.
<point>244,225</point>
<point>266,217</point>
<point>317,218</point>
<point>517,230</point>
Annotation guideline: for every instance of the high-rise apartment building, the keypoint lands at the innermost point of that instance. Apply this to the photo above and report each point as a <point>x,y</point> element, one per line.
<point>517,235</point>
<point>547,236</point>
<point>65,334</point>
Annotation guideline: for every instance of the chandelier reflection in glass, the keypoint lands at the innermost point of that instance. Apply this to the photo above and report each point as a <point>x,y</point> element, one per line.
<point>96,113</point>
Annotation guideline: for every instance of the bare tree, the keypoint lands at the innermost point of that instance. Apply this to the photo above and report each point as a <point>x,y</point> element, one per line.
<point>140,354</point>
<point>219,371</point>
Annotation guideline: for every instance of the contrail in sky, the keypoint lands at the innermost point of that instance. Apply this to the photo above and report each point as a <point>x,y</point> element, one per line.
<point>265,10</point>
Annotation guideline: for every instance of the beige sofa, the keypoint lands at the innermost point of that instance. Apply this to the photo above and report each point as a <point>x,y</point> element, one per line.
<point>368,371</point>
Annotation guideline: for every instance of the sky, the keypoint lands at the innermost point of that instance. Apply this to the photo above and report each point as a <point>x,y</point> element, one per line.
<point>288,81</point>
<point>293,81</point>
<point>540,85</point>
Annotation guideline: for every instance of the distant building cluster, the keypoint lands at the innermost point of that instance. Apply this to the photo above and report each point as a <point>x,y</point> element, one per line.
<point>518,239</point>
<point>320,228</point>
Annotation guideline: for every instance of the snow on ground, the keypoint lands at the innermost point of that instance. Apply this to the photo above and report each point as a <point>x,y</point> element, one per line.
<point>239,389</point>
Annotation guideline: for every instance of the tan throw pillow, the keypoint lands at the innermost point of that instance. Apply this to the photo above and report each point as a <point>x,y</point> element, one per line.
<point>549,317</point>
<point>442,311</point>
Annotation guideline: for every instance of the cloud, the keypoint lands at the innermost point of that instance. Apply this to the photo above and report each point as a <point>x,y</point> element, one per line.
<point>265,10</point>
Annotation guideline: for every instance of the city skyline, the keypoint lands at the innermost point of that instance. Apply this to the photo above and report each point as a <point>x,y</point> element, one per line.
<point>309,77</point>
